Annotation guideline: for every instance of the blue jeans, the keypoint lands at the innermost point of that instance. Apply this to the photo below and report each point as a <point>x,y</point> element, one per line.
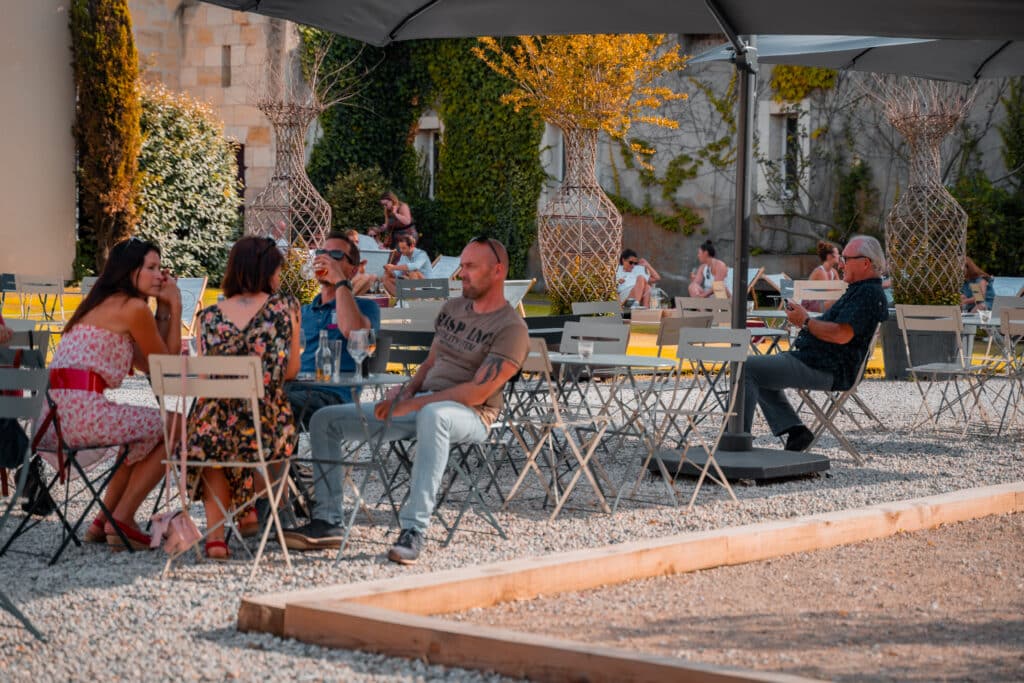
<point>765,379</point>
<point>436,427</point>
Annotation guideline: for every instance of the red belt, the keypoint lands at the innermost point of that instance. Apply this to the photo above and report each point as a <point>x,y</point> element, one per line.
<point>74,378</point>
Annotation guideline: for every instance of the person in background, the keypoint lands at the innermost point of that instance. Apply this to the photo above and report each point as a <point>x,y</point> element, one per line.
<point>828,270</point>
<point>397,223</point>
<point>337,310</point>
<point>254,319</point>
<point>112,330</point>
<point>413,264</point>
<point>634,277</point>
<point>362,282</point>
<point>709,270</point>
<point>480,342</point>
<point>976,279</point>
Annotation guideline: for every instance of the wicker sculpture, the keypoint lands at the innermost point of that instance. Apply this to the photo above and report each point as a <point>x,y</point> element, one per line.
<point>580,230</point>
<point>926,233</point>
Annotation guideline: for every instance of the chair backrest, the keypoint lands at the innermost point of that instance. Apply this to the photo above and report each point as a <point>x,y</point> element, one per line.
<point>719,290</point>
<point>409,289</point>
<point>375,259</point>
<point>419,316</point>
<point>644,316</point>
<point>597,308</point>
<point>379,361</point>
<point>446,267</point>
<point>29,339</point>
<point>409,347</point>
<point>192,289</point>
<point>668,333</point>
<point>206,376</point>
<point>1008,286</point>
<point>1001,302</point>
<point>913,318</point>
<point>713,345</point>
<point>516,291</point>
<point>1011,321</point>
<point>8,283</point>
<point>719,309</point>
<point>785,289</point>
<point>88,282</point>
<point>607,338</point>
<point>818,290</point>
<point>40,284</point>
<point>27,387</point>
<point>753,275</point>
<point>42,287</point>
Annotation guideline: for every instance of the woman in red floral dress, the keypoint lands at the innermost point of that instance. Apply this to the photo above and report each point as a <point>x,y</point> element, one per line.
<point>112,330</point>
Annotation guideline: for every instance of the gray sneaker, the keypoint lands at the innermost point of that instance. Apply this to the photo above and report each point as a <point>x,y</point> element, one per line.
<point>316,535</point>
<point>407,548</point>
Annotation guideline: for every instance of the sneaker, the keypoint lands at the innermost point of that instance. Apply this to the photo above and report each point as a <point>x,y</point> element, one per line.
<point>316,535</point>
<point>406,549</point>
<point>799,439</point>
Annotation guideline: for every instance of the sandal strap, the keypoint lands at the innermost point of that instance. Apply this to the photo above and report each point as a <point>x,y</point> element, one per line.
<point>215,544</point>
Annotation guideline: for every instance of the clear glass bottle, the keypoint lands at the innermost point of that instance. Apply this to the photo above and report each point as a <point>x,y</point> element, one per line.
<point>324,362</point>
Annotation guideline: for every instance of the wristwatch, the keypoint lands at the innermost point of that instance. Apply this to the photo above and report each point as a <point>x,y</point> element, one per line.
<point>806,327</point>
<point>343,283</point>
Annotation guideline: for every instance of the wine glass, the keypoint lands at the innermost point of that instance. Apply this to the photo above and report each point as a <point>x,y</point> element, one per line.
<point>358,346</point>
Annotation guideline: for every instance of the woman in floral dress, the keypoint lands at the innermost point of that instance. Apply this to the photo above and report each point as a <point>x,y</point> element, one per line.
<point>112,330</point>
<point>254,319</point>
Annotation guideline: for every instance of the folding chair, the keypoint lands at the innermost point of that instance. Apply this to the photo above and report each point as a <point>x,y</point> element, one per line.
<point>474,466</point>
<point>418,316</point>
<point>42,298</point>
<point>24,349</point>
<point>949,374</point>
<point>177,380</point>
<point>446,267</point>
<point>597,308</point>
<point>818,290</point>
<point>192,289</point>
<point>375,259</point>
<point>409,290</point>
<point>8,285</point>
<point>832,403</point>
<point>21,399</point>
<point>720,309</point>
<point>668,333</point>
<point>543,423</point>
<point>88,282</point>
<point>516,291</point>
<point>1011,328</point>
<point>716,356</point>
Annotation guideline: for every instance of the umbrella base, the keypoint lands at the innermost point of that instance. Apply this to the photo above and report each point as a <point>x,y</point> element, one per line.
<point>759,464</point>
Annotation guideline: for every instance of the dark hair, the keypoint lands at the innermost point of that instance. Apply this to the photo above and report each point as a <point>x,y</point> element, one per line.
<point>124,259</point>
<point>252,262</point>
<point>406,239</point>
<point>709,247</point>
<point>626,253</point>
<point>824,249</point>
<point>353,247</point>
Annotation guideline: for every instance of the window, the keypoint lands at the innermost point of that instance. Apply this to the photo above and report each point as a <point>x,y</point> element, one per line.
<point>428,146</point>
<point>552,152</point>
<point>225,66</point>
<point>784,145</point>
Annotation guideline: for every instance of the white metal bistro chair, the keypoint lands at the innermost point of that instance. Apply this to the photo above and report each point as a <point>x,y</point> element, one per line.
<point>177,380</point>
<point>720,309</point>
<point>820,291</point>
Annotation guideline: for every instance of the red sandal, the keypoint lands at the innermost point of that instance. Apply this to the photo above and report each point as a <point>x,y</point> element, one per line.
<point>96,532</point>
<point>217,544</point>
<point>136,539</point>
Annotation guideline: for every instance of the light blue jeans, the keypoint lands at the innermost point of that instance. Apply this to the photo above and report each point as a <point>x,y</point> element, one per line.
<point>765,379</point>
<point>436,427</point>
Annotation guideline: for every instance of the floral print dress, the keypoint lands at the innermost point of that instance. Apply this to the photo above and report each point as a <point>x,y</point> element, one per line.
<point>222,429</point>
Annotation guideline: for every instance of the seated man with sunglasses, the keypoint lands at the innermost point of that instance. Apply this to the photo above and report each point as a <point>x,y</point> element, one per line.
<point>336,310</point>
<point>480,342</point>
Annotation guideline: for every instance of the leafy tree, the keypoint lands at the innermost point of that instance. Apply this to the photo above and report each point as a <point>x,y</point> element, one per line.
<point>354,197</point>
<point>189,183</point>
<point>106,124</point>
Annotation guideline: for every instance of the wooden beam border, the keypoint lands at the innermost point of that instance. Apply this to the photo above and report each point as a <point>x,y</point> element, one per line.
<point>350,615</point>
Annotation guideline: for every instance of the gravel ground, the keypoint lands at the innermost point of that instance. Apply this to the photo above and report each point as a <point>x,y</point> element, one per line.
<point>113,617</point>
<point>941,604</point>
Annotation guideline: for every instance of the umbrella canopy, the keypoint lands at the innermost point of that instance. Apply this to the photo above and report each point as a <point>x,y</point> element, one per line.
<point>944,60</point>
<point>378,23</point>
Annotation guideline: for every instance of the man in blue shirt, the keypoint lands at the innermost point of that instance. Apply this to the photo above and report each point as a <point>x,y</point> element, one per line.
<point>336,310</point>
<point>828,351</point>
<point>413,263</point>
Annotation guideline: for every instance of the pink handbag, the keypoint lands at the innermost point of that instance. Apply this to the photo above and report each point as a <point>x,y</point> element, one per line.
<point>176,529</point>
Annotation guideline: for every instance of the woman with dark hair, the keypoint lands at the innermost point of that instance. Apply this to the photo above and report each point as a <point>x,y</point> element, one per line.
<point>828,254</point>
<point>113,329</point>
<point>397,223</point>
<point>709,270</point>
<point>254,319</point>
<point>977,292</point>
<point>633,278</point>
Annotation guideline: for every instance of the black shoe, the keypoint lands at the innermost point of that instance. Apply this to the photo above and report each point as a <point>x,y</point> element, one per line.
<point>316,535</point>
<point>38,500</point>
<point>799,439</point>
<point>407,548</point>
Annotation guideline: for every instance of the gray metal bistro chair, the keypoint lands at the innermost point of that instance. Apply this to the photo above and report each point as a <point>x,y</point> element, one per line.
<point>28,390</point>
<point>409,291</point>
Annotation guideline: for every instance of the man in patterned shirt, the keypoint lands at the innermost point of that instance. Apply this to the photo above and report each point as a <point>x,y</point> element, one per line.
<point>828,351</point>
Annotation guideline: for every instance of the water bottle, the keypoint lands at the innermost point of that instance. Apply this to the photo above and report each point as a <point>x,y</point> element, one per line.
<point>324,362</point>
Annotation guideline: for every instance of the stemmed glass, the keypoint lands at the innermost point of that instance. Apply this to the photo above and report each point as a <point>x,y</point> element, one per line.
<point>358,348</point>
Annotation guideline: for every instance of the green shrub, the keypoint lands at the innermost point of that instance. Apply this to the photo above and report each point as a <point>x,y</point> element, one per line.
<point>354,196</point>
<point>189,184</point>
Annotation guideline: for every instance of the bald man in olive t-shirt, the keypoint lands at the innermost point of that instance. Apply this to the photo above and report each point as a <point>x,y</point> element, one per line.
<point>480,342</point>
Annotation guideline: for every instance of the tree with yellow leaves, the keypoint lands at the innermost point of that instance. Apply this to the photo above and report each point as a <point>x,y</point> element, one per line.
<point>585,84</point>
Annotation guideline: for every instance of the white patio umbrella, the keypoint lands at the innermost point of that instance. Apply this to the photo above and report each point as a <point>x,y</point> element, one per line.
<point>380,22</point>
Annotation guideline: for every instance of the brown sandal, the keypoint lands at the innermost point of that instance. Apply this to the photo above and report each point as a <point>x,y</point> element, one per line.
<point>217,544</point>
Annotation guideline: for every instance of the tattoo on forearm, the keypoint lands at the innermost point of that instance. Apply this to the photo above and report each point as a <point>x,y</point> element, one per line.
<point>490,370</point>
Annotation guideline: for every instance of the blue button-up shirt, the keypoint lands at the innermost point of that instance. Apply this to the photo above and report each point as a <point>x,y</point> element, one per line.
<point>318,316</point>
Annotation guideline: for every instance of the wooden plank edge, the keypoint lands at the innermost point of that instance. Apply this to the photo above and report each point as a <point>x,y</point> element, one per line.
<point>485,585</point>
<point>512,653</point>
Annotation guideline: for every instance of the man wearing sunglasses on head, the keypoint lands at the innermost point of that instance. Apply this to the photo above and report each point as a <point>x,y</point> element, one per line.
<point>336,310</point>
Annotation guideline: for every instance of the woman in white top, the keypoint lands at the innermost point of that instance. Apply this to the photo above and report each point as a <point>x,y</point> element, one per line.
<point>634,277</point>
<point>413,264</point>
<point>709,271</point>
<point>828,254</point>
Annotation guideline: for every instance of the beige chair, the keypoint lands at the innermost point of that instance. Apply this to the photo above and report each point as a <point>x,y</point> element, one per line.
<point>417,317</point>
<point>597,308</point>
<point>178,380</point>
<point>720,309</point>
<point>668,333</point>
<point>607,338</point>
<point>818,290</point>
<point>42,298</point>
<point>409,291</point>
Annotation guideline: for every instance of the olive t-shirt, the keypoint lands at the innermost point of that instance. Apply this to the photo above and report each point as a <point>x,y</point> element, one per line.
<point>464,340</point>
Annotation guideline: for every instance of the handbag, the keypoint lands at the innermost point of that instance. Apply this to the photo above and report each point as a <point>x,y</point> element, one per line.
<point>175,529</point>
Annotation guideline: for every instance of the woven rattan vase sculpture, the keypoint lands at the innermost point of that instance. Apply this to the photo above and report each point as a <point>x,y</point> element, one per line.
<point>926,232</point>
<point>580,230</point>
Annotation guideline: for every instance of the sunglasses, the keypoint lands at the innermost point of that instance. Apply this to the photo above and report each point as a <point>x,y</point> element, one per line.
<point>854,258</point>
<point>487,241</point>
<point>632,263</point>
<point>336,254</point>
